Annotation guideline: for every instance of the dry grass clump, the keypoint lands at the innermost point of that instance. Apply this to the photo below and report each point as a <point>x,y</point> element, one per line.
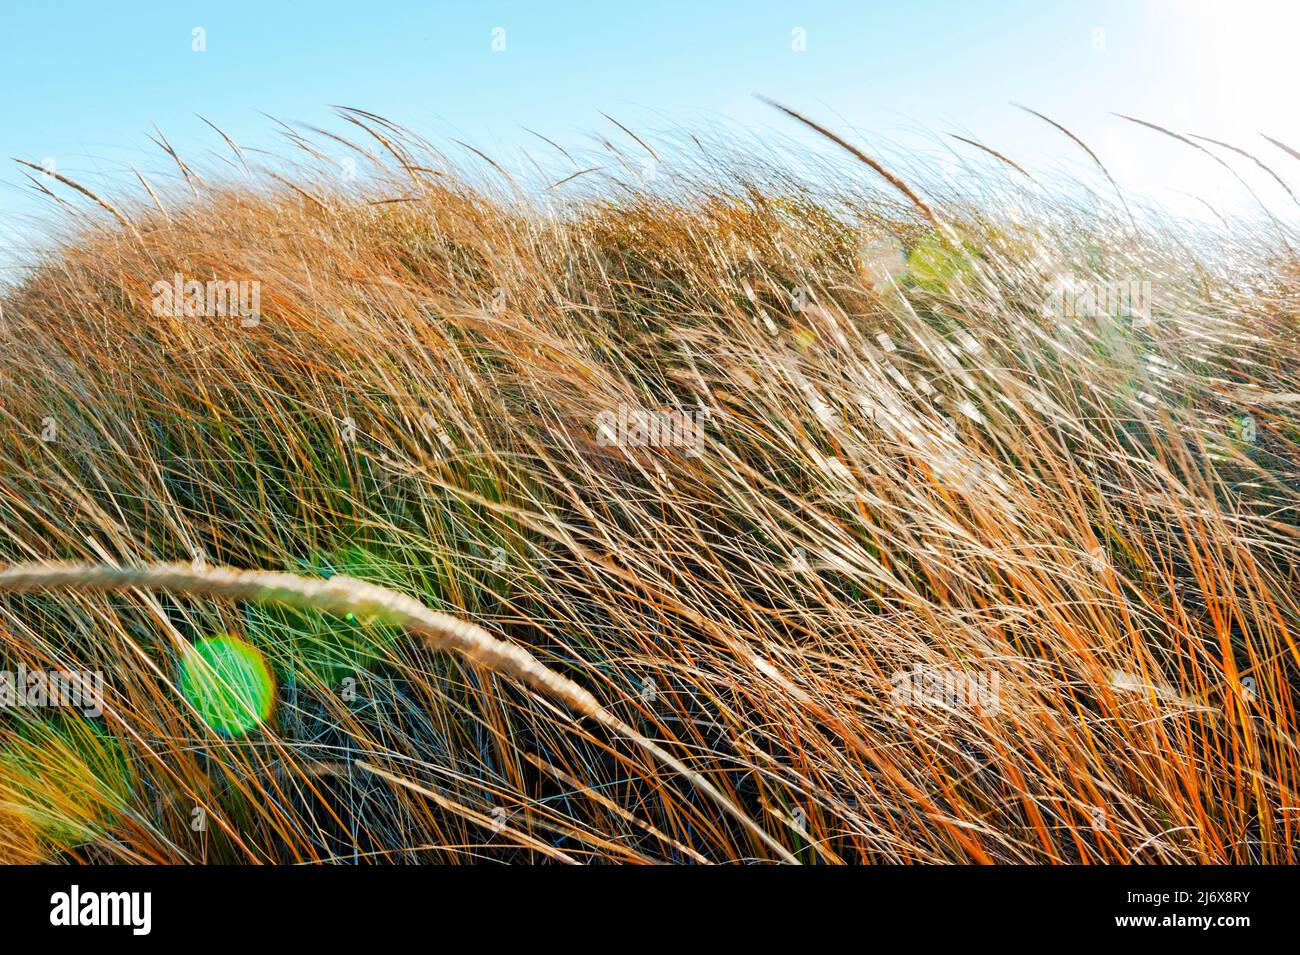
<point>903,460</point>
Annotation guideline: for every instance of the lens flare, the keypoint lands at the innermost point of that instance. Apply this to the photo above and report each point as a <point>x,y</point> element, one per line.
<point>228,683</point>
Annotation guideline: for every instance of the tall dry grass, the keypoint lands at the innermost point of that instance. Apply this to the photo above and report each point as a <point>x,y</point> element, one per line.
<point>905,461</point>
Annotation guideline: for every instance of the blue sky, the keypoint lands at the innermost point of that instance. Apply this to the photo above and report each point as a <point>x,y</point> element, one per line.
<point>86,81</point>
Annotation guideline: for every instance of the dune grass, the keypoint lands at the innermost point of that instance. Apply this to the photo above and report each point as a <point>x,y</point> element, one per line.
<point>907,462</point>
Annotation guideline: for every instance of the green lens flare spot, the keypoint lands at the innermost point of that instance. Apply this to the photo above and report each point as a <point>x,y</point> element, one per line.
<point>228,682</point>
<point>937,267</point>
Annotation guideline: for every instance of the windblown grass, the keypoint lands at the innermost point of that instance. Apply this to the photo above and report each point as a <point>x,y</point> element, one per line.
<point>905,462</point>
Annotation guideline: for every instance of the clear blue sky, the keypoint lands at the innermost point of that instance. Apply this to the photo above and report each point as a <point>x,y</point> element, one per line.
<point>85,81</point>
